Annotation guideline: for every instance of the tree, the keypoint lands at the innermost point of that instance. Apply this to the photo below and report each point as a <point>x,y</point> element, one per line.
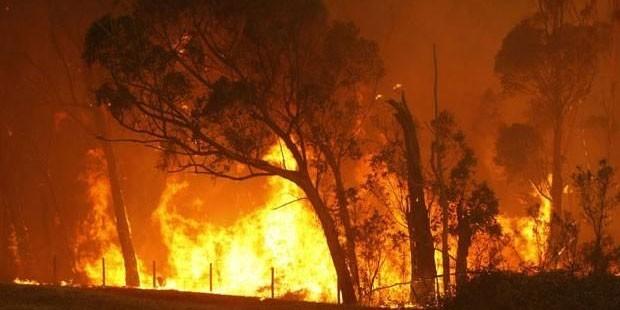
<point>75,82</point>
<point>597,198</point>
<point>214,85</point>
<point>376,241</point>
<point>423,269</point>
<point>552,60</point>
<point>472,205</point>
<point>519,150</point>
<point>438,154</point>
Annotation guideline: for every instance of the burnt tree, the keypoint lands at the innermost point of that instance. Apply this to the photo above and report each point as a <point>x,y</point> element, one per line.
<point>423,270</point>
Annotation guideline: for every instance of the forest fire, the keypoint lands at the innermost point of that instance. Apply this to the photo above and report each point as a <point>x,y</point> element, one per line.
<point>286,152</point>
<point>97,239</point>
<point>283,235</point>
<point>528,234</point>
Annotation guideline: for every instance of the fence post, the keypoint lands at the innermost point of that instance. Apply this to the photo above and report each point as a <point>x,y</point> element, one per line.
<point>103,271</point>
<point>210,277</point>
<point>338,291</point>
<point>272,293</point>
<point>54,270</point>
<point>437,295</point>
<point>154,274</point>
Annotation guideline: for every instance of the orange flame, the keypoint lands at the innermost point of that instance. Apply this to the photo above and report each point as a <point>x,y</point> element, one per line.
<point>98,238</point>
<point>284,234</point>
<point>529,234</point>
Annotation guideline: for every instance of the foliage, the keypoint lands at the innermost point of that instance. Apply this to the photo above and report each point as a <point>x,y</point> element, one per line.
<point>215,85</point>
<point>553,66</point>
<point>518,149</point>
<point>552,290</point>
<point>598,196</point>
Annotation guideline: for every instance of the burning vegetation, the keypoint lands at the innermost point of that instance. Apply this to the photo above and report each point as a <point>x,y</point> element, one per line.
<point>258,148</point>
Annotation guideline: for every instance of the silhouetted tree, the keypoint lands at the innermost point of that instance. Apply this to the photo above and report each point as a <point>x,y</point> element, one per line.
<point>519,150</point>
<point>76,83</point>
<point>473,206</point>
<point>423,269</point>
<point>598,196</point>
<point>438,154</point>
<point>214,85</point>
<point>552,58</point>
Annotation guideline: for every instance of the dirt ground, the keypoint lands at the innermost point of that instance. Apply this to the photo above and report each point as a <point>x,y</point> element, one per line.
<point>26,297</point>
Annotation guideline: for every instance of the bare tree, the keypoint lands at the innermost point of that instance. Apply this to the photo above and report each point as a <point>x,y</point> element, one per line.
<point>423,269</point>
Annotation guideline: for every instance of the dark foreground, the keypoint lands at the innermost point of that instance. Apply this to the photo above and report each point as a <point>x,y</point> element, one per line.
<point>26,297</point>
<point>544,291</point>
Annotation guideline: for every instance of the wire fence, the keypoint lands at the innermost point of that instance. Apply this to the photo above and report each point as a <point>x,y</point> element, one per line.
<point>156,282</point>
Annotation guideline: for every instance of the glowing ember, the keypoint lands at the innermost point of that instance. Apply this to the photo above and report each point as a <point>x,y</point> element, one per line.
<point>26,282</point>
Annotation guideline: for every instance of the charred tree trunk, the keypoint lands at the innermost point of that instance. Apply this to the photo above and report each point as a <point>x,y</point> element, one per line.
<point>132,277</point>
<point>7,261</point>
<point>557,185</point>
<point>423,270</point>
<point>443,200</point>
<point>462,252</point>
<point>345,280</point>
<point>343,212</point>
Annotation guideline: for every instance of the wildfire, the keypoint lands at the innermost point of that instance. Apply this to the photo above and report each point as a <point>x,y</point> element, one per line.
<point>26,282</point>
<point>98,239</point>
<point>284,234</point>
<point>529,234</point>
<point>238,259</point>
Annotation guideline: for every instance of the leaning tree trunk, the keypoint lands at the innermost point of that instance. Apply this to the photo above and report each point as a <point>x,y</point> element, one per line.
<point>423,270</point>
<point>343,212</point>
<point>345,281</point>
<point>132,277</point>
<point>557,185</point>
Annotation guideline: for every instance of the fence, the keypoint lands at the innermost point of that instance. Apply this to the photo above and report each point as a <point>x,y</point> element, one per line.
<point>154,276</point>
<point>272,287</point>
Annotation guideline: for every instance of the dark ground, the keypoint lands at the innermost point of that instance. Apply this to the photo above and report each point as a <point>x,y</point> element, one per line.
<point>543,291</point>
<point>14,296</point>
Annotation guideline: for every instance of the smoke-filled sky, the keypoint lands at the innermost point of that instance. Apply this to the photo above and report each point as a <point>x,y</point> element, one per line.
<point>35,91</point>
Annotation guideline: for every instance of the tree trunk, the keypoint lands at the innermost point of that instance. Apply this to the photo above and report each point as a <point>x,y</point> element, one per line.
<point>345,281</point>
<point>445,248</point>
<point>443,200</point>
<point>598,260</point>
<point>7,261</point>
<point>462,252</point>
<point>423,270</point>
<point>343,212</point>
<point>557,185</point>
<point>132,277</point>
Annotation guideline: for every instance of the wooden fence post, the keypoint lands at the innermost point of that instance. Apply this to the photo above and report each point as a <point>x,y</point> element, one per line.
<point>154,274</point>
<point>210,277</point>
<point>272,283</point>
<point>54,271</point>
<point>103,271</point>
